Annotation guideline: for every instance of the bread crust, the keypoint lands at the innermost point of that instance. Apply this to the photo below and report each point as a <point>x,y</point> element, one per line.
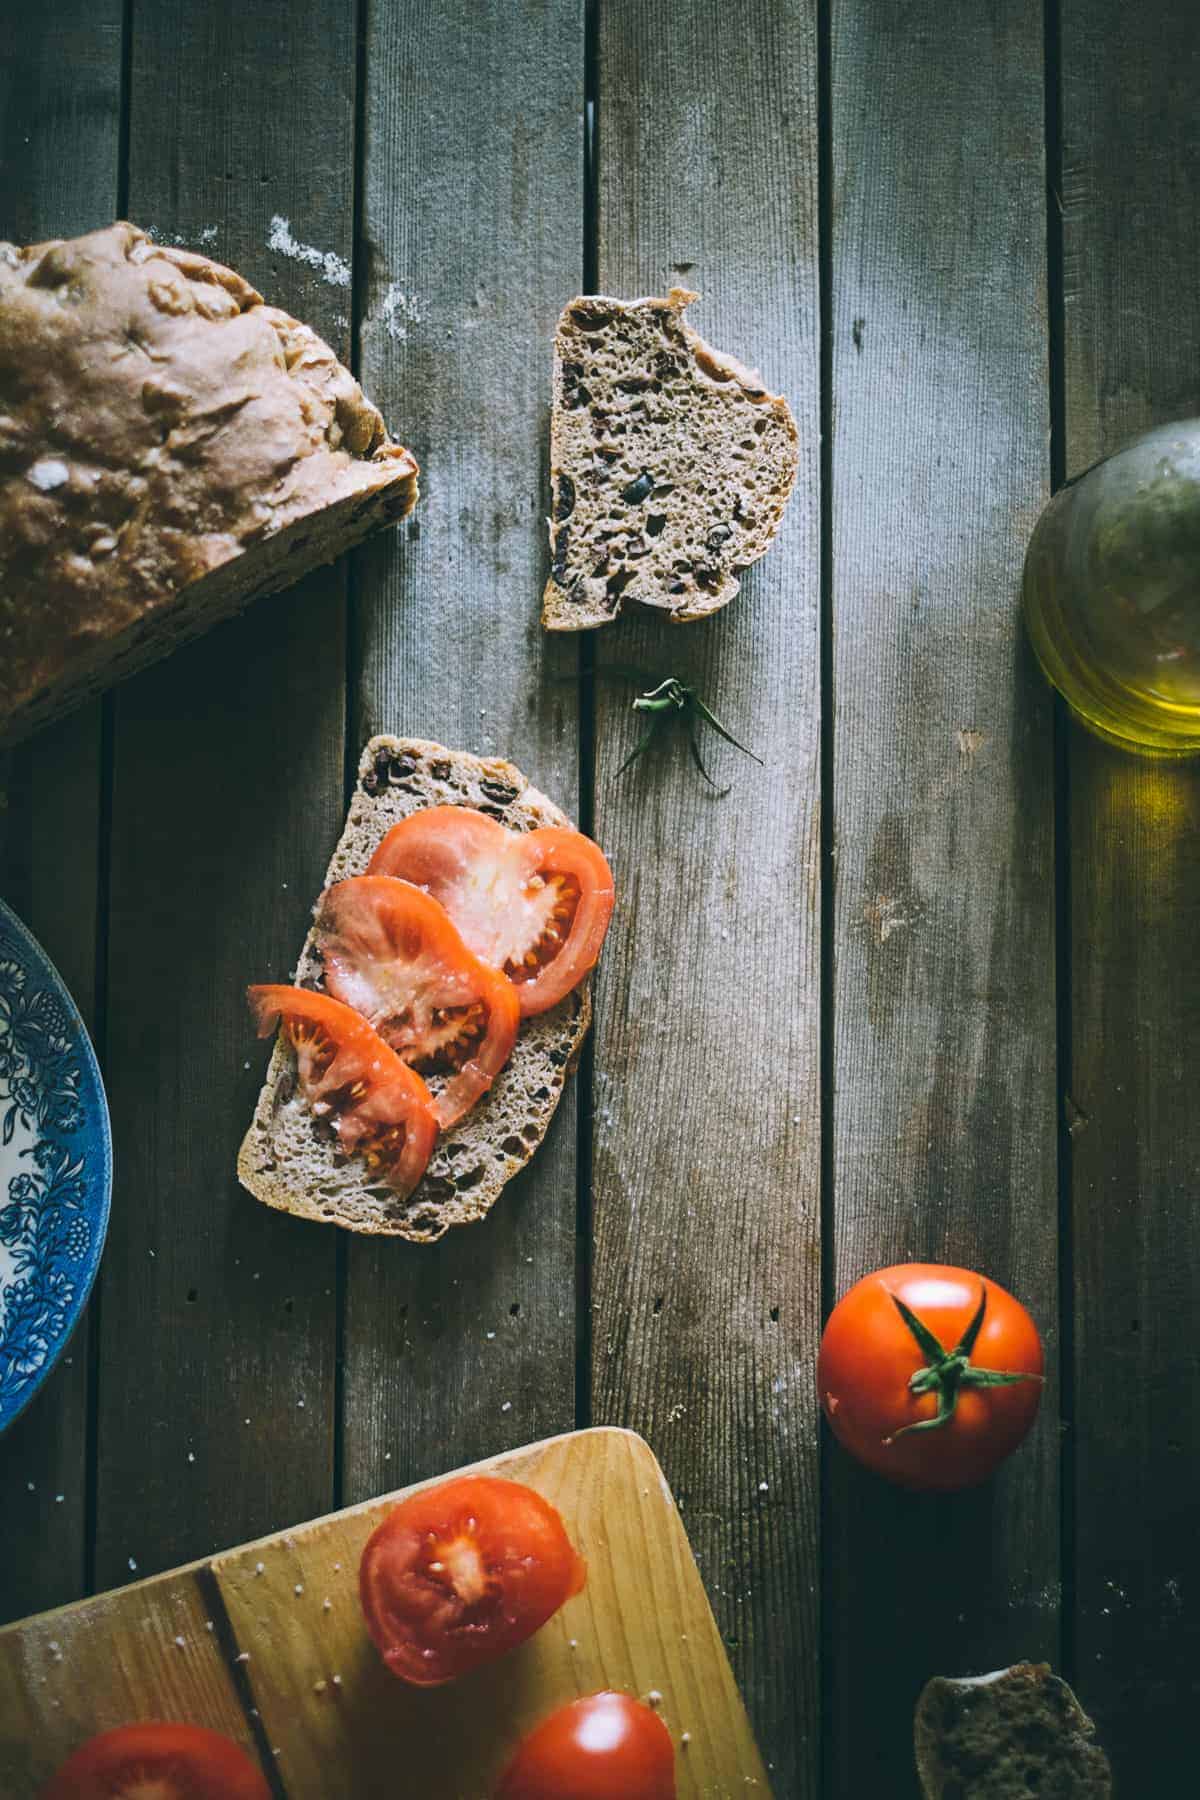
<point>1005,1736</point>
<point>671,464</point>
<point>170,445</point>
<point>287,1160</point>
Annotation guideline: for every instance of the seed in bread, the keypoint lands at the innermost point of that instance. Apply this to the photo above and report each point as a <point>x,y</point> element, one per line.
<point>670,464</point>
<point>170,447</point>
<point>290,1160</point>
<point>1012,1735</point>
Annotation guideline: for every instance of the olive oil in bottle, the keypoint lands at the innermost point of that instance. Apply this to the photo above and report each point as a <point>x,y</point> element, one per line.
<point>1112,593</point>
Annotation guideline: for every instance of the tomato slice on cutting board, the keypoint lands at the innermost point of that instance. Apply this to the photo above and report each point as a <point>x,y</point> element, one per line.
<point>391,952</point>
<point>158,1762</point>
<point>603,1746</point>
<point>535,904</point>
<point>459,1573</point>
<point>376,1105</point>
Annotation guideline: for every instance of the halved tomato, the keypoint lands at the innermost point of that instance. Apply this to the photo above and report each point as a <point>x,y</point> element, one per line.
<point>376,1105</point>
<point>603,1746</point>
<point>459,1573</point>
<point>535,904</point>
<point>390,951</point>
<point>158,1762</point>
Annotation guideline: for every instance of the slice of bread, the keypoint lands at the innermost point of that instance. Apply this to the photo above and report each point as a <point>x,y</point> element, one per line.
<point>670,464</point>
<point>1018,1734</point>
<point>291,1161</point>
<point>170,447</point>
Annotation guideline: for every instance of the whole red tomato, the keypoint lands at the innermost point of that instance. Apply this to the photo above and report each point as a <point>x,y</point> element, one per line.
<point>168,1762</point>
<point>604,1747</point>
<point>460,1573</point>
<point>930,1375</point>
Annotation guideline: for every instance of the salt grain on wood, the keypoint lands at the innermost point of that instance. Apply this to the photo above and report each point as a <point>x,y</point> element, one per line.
<point>333,269</point>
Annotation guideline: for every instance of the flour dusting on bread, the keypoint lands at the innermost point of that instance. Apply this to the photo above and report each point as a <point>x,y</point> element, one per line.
<point>170,447</point>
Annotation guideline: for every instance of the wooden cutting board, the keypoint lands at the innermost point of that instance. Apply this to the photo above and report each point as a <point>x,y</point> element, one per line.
<point>266,1643</point>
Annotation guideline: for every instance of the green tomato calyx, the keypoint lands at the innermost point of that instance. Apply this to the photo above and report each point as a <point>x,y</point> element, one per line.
<point>947,1372</point>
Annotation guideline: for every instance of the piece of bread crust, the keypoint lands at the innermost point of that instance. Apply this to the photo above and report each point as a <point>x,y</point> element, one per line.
<point>170,447</point>
<point>1017,1734</point>
<point>290,1161</point>
<point>670,464</point>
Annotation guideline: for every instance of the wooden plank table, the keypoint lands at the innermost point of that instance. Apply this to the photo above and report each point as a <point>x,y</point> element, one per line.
<point>920,986</point>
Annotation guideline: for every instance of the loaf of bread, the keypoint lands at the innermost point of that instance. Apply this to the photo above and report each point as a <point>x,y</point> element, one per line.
<point>670,465</point>
<point>170,447</point>
<point>1019,1734</point>
<point>290,1160</point>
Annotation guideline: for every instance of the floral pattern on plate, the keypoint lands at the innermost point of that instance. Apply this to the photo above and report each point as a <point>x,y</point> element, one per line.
<point>55,1166</point>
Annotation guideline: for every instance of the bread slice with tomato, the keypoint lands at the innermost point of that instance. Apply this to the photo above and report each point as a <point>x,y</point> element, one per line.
<point>291,1158</point>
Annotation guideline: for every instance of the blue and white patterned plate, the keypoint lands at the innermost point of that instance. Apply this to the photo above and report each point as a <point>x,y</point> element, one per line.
<point>55,1166</point>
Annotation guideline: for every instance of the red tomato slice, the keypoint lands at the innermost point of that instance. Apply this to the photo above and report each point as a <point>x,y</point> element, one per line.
<point>458,1574</point>
<point>535,904</point>
<point>930,1374</point>
<point>391,952</point>
<point>350,1077</point>
<point>158,1762</point>
<point>605,1747</point>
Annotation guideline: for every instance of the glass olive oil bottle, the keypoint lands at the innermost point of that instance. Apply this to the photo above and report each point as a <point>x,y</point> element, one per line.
<point>1112,593</point>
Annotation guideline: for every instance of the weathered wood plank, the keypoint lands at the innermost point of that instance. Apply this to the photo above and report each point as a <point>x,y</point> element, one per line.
<point>707,1133</point>
<point>227,798</point>
<point>60,81</point>
<point>1131,155</point>
<point>943,1004</point>
<point>60,118</point>
<point>473,224</point>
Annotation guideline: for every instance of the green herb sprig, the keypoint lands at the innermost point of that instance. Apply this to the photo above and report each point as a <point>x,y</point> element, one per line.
<point>674,701</point>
